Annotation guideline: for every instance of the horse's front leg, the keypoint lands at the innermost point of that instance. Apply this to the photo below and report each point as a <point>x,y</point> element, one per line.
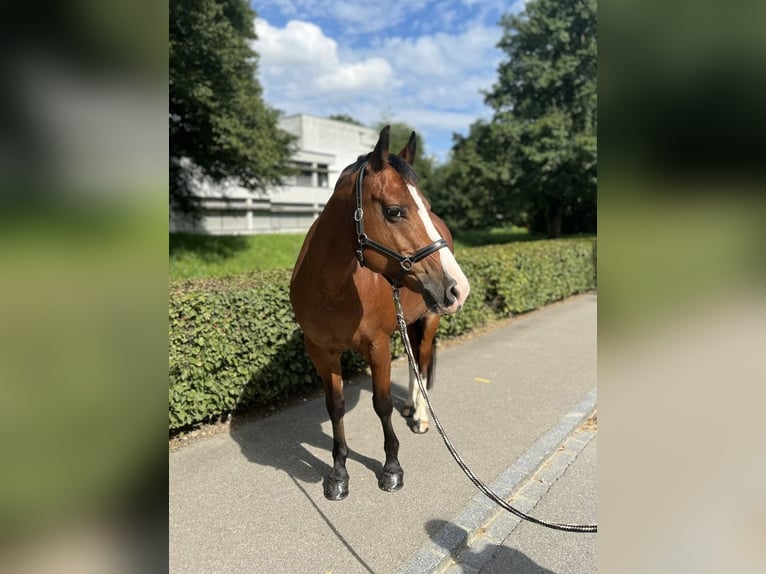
<point>327,364</point>
<point>392,477</point>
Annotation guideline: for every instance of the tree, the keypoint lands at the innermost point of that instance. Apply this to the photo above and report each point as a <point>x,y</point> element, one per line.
<point>345,118</point>
<point>464,190</point>
<point>220,128</point>
<point>545,112</point>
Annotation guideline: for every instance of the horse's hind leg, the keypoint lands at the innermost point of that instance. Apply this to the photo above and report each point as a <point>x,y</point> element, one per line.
<point>327,364</point>
<point>379,357</point>
<point>415,334</point>
<point>422,334</point>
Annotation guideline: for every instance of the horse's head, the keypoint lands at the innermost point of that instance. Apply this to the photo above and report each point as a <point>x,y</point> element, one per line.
<point>399,236</point>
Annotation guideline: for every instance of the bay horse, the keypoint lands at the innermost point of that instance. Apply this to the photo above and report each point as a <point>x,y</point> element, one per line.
<point>376,232</point>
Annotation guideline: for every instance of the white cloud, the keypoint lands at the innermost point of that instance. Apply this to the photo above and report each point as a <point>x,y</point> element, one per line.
<point>371,74</point>
<point>356,17</point>
<point>299,58</point>
<point>428,119</point>
<point>446,54</point>
<point>373,17</point>
<point>446,72</point>
<point>431,82</point>
<point>297,44</point>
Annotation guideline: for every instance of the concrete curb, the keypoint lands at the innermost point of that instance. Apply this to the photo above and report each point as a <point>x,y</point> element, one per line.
<point>544,461</point>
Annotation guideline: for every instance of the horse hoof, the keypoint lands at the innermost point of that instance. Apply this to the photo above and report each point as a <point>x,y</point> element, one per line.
<point>408,410</point>
<point>335,489</point>
<point>391,482</point>
<point>419,427</point>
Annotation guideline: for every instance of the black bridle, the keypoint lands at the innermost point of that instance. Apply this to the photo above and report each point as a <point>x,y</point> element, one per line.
<point>405,261</point>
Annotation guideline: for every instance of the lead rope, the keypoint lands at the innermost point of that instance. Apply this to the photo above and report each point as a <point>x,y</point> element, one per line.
<point>471,476</point>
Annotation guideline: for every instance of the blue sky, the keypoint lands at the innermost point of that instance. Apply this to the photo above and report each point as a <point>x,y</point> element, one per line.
<point>423,62</point>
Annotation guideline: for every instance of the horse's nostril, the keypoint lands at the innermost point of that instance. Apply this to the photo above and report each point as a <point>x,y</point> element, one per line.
<point>452,293</point>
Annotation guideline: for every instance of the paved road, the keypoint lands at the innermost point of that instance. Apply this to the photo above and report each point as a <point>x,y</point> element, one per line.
<point>504,544</point>
<point>250,501</point>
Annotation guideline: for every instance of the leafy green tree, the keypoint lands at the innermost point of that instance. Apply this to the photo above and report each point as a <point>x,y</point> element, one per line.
<point>220,127</point>
<point>345,118</point>
<point>545,113</point>
<point>464,189</point>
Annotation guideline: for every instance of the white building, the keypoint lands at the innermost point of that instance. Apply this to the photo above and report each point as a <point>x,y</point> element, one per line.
<point>323,149</point>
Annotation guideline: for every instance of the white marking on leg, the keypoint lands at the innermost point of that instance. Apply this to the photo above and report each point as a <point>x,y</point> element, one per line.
<point>421,412</point>
<point>418,404</point>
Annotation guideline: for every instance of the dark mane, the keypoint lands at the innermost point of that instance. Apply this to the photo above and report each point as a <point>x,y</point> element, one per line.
<point>355,166</point>
<point>401,166</point>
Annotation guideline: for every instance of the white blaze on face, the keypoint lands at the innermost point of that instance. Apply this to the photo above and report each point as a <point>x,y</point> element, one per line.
<point>449,263</point>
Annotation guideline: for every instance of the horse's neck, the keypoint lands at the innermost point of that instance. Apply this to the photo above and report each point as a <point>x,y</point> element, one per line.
<point>334,241</point>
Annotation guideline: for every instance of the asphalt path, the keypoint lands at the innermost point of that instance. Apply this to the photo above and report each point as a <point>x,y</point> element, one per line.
<point>513,401</point>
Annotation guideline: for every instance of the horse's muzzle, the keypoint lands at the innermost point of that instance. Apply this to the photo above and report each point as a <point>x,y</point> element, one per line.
<point>443,298</point>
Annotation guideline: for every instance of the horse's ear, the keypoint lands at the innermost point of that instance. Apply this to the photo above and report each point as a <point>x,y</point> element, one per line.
<point>408,152</point>
<point>377,160</point>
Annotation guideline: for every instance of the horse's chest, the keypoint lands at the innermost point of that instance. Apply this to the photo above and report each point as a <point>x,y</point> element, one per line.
<point>338,317</point>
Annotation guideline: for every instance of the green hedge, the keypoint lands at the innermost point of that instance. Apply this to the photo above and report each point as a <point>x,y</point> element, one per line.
<point>234,342</point>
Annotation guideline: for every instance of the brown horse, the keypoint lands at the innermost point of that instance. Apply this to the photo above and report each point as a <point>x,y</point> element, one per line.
<point>377,231</point>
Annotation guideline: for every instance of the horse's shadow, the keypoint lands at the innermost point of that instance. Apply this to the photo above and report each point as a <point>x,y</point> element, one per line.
<point>487,557</point>
<point>286,439</point>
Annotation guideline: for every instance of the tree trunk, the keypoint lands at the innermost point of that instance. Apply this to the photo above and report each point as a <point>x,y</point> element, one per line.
<point>553,221</point>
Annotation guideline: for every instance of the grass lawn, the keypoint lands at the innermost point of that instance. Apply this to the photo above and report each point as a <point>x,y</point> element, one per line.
<point>193,256</point>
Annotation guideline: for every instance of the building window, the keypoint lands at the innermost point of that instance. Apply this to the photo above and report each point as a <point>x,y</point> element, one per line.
<point>323,177</point>
<point>309,175</point>
<point>303,177</point>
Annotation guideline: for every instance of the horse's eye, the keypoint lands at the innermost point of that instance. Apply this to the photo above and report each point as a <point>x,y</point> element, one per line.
<point>394,212</point>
